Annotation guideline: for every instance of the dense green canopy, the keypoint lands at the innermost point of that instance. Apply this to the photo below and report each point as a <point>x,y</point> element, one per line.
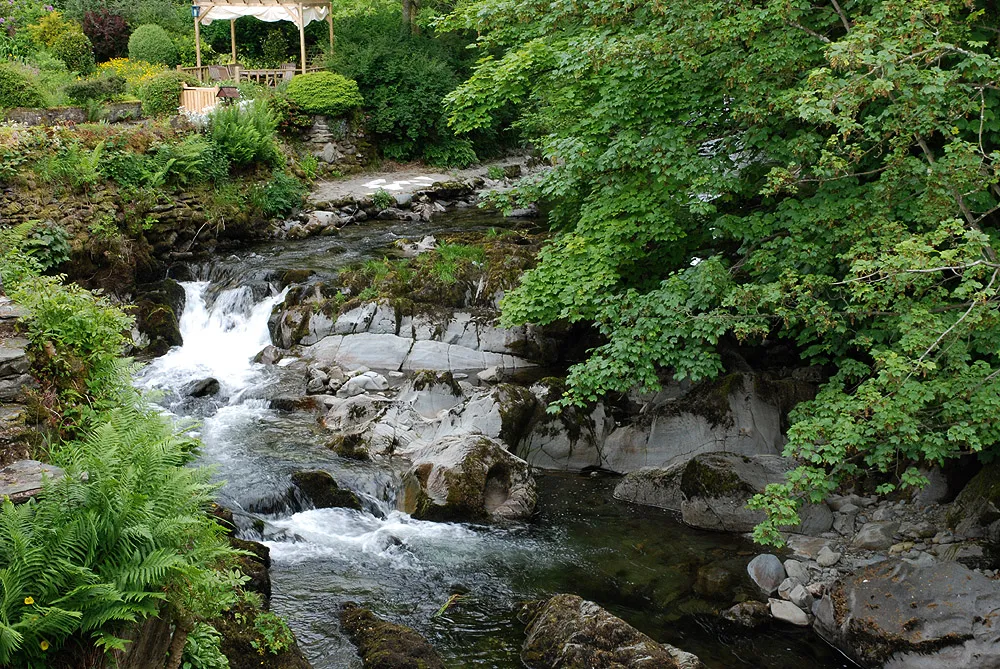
<point>820,172</point>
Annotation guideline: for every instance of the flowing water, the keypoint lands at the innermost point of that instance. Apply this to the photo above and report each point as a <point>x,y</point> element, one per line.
<point>638,562</point>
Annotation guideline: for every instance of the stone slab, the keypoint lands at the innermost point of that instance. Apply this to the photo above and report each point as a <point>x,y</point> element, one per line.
<point>22,480</point>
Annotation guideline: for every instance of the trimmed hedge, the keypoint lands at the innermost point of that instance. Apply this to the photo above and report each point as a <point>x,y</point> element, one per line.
<point>98,88</point>
<point>162,94</point>
<point>324,93</point>
<point>152,44</point>
<point>18,90</point>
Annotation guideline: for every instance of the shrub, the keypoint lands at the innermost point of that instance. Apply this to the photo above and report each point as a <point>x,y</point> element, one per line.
<point>48,243</point>
<point>193,160</point>
<point>74,48</point>
<point>136,73</point>
<point>162,93</point>
<point>48,29</point>
<point>18,90</point>
<point>152,44</point>
<point>108,32</point>
<point>279,196</point>
<point>100,88</point>
<point>324,93</point>
<point>292,119</point>
<point>245,132</point>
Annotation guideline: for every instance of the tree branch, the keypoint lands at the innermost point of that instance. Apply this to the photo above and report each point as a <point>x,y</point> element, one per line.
<point>843,16</point>
<point>815,34</point>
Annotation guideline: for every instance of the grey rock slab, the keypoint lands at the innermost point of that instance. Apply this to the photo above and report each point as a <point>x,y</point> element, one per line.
<point>23,479</point>
<point>827,557</point>
<point>797,570</point>
<point>876,535</point>
<point>652,486</point>
<point>893,612</point>
<point>788,612</point>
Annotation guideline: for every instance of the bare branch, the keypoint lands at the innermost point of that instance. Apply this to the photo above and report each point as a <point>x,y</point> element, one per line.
<point>815,34</point>
<point>843,16</point>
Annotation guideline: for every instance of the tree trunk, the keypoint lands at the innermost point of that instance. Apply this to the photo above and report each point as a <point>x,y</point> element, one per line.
<point>176,650</point>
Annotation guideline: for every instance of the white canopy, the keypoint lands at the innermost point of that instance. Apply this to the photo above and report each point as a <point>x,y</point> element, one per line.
<point>271,13</point>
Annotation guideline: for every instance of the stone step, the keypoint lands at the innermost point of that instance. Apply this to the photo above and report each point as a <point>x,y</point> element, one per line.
<point>22,480</point>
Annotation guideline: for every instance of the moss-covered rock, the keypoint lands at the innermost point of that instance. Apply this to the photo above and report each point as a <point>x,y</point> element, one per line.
<point>352,446</point>
<point>385,645</point>
<point>978,505</point>
<point>324,492</point>
<point>570,632</point>
<point>468,478</point>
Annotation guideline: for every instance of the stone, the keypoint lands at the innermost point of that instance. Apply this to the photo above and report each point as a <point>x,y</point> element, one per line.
<point>323,491</point>
<point>901,615</point>
<point>570,632</point>
<point>269,355</point>
<point>875,535</point>
<point>920,529</point>
<point>797,570</point>
<point>827,557</point>
<point>467,478</point>
<point>201,388</point>
<point>652,486</point>
<point>786,587</point>
<point>883,514</point>
<point>24,479</point>
<point>12,389</point>
<point>385,645</point>
<point>489,375</point>
<point>806,547</point>
<point>978,504</point>
<point>316,386</point>
<point>767,572</point>
<point>801,597</point>
<point>788,612</point>
<point>937,490</point>
<point>837,502</point>
<point>751,615</point>
<point>714,582</point>
<point>716,487</point>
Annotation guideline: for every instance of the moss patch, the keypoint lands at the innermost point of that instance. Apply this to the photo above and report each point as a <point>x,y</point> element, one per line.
<point>385,645</point>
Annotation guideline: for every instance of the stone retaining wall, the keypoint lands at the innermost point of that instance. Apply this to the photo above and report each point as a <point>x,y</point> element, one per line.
<point>112,113</point>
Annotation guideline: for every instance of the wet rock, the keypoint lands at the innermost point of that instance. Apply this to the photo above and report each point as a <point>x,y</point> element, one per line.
<point>653,486</point>
<point>323,491</point>
<point>716,487</point>
<point>897,614</point>
<point>568,632</point>
<point>715,582</point>
<point>937,490</point>
<point>468,478</point>
<point>385,645</point>
<point>788,612</point>
<point>801,597</point>
<point>767,572</point>
<point>201,388</point>
<point>269,355</point>
<point>571,440</point>
<point>875,535</point>
<point>256,566</point>
<point>751,615</point>
<point>978,505</point>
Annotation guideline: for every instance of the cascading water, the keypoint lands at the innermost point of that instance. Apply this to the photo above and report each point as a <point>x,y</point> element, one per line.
<point>637,563</point>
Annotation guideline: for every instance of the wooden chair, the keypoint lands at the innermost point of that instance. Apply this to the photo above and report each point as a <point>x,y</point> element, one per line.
<point>219,73</point>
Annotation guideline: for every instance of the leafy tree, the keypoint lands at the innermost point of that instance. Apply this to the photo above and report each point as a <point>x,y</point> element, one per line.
<point>823,173</point>
<point>108,32</point>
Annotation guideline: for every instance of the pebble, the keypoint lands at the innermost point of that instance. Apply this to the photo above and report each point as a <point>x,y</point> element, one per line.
<point>787,612</point>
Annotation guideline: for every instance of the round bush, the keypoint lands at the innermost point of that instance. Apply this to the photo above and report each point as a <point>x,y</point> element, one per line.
<point>152,44</point>
<point>162,94</point>
<point>324,93</point>
<point>74,48</point>
<point>17,90</point>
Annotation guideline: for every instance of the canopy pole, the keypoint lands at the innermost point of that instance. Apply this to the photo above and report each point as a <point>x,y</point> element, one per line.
<point>197,42</point>
<point>329,22</point>
<point>232,38</point>
<point>302,37</point>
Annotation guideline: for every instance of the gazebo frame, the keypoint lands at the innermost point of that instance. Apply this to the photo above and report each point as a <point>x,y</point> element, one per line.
<point>201,10</point>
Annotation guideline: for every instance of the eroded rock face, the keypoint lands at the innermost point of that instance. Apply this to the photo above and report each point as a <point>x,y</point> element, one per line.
<point>468,478</point>
<point>899,614</point>
<point>570,632</point>
<point>653,486</point>
<point>385,645</point>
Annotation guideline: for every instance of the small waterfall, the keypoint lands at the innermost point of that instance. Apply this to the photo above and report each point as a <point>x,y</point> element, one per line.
<point>220,340</point>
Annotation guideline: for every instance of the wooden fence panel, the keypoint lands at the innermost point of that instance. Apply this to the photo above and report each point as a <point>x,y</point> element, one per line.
<point>197,100</point>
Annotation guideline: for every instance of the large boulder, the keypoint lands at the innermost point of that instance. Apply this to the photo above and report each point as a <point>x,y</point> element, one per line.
<point>320,488</point>
<point>385,645</point>
<point>716,487</point>
<point>977,507</point>
<point>570,632</point>
<point>468,478</point>
<point>898,614</point>
<point>653,486</point>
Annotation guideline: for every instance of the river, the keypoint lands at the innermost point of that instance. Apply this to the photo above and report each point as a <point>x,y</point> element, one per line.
<point>641,564</point>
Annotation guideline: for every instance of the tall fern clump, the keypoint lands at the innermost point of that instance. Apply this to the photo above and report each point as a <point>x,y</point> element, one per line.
<point>129,540</point>
<point>125,534</point>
